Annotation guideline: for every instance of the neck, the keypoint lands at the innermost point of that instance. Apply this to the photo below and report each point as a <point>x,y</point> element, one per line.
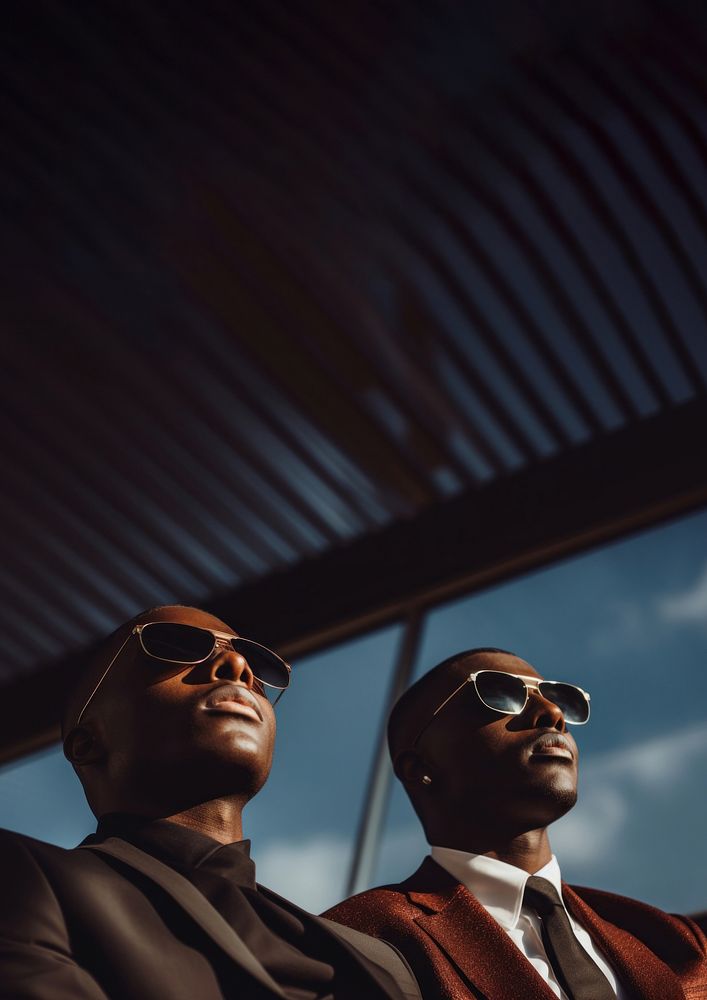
<point>530,851</point>
<point>220,819</point>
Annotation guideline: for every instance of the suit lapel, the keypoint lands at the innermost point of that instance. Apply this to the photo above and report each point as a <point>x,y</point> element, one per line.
<point>374,957</point>
<point>489,960</point>
<point>192,901</point>
<point>473,940</point>
<point>643,973</point>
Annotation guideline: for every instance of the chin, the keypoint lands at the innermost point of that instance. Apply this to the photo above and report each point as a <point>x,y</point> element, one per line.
<point>564,800</point>
<point>556,802</point>
<point>246,780</point>
<point>215,774</point>
<point>542,805</point>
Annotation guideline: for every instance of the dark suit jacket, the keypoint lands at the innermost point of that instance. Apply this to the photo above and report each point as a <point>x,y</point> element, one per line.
<point>110,921</point>
<point>458,951</point>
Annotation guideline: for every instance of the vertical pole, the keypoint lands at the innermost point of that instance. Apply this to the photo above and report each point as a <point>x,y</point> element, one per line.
<point>371,825</point>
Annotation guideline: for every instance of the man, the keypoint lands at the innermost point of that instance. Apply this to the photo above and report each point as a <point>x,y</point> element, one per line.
<point>171,732</point>
<point>482,746</point>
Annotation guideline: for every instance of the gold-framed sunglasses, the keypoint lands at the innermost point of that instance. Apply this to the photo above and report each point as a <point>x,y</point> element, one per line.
<point>175,642</point>
<point>508,694</point>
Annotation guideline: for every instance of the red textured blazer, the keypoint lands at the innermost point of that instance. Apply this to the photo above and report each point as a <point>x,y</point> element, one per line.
<point>458,951</point>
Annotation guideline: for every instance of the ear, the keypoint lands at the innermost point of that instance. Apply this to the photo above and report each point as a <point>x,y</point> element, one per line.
<point>82,746</point>
<point>410,768</point>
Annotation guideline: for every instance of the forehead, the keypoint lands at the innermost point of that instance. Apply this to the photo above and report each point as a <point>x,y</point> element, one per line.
<point>505,662</point>
<point>183,615</point>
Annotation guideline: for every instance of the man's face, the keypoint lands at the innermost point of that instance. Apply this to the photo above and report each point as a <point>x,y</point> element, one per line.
<point>513,768</point>
<point>184,734</point>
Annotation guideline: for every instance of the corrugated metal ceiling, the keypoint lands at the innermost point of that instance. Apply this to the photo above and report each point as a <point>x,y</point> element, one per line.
<point>278,276</point>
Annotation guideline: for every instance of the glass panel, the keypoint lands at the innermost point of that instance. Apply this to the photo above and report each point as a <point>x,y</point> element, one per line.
<point>304,823</point>
<point>628,623</point>
<point>40,796</point>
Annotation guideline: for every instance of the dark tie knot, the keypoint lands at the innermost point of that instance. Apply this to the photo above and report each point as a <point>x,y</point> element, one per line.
<point>541,895</point>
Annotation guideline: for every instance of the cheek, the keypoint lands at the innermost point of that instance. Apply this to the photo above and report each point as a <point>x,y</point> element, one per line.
<point>475,760</point>
<point>482,742</point>
<point>146,722</point>
<point>269,741</point>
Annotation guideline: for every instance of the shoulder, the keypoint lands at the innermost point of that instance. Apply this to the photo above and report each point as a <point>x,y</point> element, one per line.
<point>28,901</point>
<point>381,895</point>
<point>661,931</point>
<point>17,845</point>
<point>388,906</point>
<point>374,910</point>
<point>381,953</point>
<point>350,910</point>
<point>18,848</point>
<point>27,862</point>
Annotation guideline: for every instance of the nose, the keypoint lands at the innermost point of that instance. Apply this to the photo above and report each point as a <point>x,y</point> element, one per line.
<point>544,714</point>
<point>228,665</point>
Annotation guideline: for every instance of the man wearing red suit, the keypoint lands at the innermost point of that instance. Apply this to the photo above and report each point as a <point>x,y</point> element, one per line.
<point>482,746</point>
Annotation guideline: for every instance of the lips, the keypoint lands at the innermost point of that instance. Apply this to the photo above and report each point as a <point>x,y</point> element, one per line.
<point>552,745</point>
<point>233,699</point>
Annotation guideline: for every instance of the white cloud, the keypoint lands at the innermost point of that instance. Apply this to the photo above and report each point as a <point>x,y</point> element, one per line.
<point>589,831</point>
<point>653,763</point>
<point>616,784</point>
<point>310,872</point>
<point>620,791</point>
<point>688,606</point>
<point>313,871</point>
<point>632,625</point>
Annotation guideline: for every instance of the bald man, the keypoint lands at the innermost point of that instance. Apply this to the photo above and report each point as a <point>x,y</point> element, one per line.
<point>171,731</point>
<point>483,747</point>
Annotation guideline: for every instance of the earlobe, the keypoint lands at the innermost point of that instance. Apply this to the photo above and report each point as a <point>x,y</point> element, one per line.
<point>411,769</point>
<point>81,747</point>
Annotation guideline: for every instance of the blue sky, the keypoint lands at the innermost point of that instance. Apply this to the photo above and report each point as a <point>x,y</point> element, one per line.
<point>627,621</point>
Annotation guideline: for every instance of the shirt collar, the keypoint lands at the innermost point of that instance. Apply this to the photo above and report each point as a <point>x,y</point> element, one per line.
<point>498,886</point>
<point>178,846</point>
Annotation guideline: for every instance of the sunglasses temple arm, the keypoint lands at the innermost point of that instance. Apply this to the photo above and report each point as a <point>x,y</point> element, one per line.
<point>100,680</point>
<point>454,692</point>
<point>439,709</point>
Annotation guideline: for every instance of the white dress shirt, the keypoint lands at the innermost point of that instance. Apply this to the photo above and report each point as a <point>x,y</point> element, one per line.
<point>499,887</point>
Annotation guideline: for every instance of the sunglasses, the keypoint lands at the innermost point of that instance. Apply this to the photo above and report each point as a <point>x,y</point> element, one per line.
<point>174,642</point>
<point>508,694</point>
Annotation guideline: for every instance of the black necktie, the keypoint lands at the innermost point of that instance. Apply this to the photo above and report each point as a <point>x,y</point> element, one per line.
<point>578,975</point>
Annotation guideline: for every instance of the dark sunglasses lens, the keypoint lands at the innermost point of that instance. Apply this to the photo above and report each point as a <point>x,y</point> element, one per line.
<point>175,642</point>
<point>569,699</point>
<point>266,666</point>
<point>502,692</point>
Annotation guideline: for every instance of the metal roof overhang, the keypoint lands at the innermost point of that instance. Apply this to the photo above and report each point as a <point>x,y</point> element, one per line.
<point>625,483</point>
<point>311,319</point>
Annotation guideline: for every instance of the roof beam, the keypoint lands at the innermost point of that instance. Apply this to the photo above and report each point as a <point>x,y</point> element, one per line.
<point>622,482</point>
